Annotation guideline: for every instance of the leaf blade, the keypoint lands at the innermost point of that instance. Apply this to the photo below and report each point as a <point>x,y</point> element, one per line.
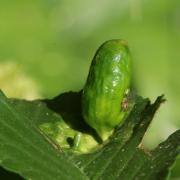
<point>21,141</point>
<point>122,157</point>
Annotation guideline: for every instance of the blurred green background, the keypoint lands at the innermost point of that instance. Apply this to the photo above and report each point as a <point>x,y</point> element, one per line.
<point>46,47</point>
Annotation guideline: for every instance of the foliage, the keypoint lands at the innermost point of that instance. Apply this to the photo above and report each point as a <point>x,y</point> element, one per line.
<point>28,152</point>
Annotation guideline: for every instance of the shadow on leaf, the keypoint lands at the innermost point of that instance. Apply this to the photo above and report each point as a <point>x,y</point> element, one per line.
<point>68,105</point>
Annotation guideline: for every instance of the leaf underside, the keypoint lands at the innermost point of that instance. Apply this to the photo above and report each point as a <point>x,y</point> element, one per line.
<point>26,151</point>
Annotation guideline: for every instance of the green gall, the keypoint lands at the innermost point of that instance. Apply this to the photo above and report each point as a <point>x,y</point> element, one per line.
<point>106,87</point>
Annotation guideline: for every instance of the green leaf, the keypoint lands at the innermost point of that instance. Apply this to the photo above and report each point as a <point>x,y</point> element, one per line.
<point>24,149</point>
